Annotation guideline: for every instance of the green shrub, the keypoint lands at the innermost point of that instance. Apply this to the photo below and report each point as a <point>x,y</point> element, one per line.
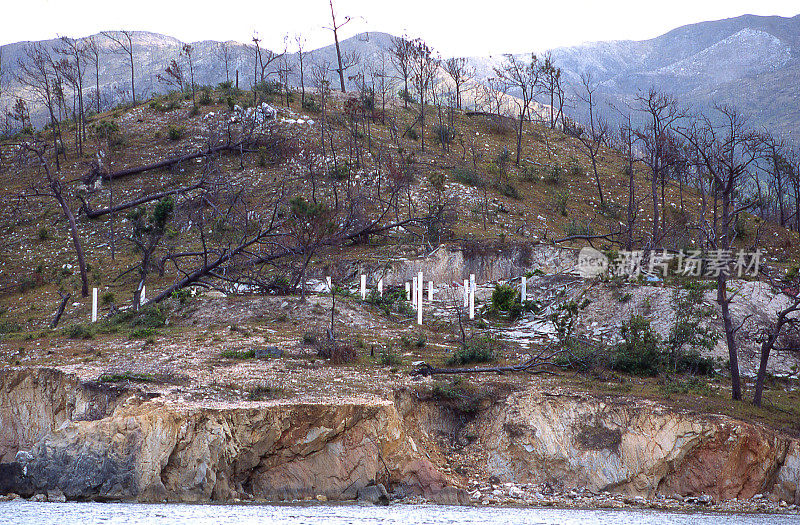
<point>477,350</point>
<point>468,177</point>
<point>43,234</point>
<point>152,316</point>
<point>510,191</point>
<point>561,200</point>
<point>411,133</point>
<point>639,353</point>
<point>263,392</point>
<point>9,327</point>
<point>127,376</point>
<point>553,175</point>
<point>239,354</point>
<point>175,132</point>
<point>443,134</point>
<point>311,105</point>
<point>143,333</point>
<point>107,298</point>
<point>205,96</point>
<point>388,357</point>
<point>79,331</point>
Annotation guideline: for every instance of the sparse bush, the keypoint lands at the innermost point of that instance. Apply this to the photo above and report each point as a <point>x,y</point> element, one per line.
<point>43,233</point>
<point>107,298</point>
<point>561,200</point>
<point>205,96</point>
<point>553,175</point>
<point>574,228</point>
<point>311,105</point>
<point>510,191</point>
<point>388,357</point>
<point>239,354</point>
<point>9,327</point>
<point>443,134</point>
<point>175,133</point>
<point>468,177</point>
<point>263,392</point>
<point>530,173</point>
<point>143,333</point>
<point>120,377</point>
<point>477,350</point>
<point>79,331</point>
<point>411,133</point>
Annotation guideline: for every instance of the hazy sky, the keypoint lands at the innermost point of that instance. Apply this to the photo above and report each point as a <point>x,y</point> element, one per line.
<point>463,27</point>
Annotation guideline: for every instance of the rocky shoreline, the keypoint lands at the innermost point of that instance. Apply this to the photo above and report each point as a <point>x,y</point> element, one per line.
<point>496,494</point>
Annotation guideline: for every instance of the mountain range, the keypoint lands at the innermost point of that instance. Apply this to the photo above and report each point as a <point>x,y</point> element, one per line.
<point>751,62</point>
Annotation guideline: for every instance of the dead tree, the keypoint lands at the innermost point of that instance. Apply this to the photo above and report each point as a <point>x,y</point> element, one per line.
<point>92,53</point>
<point>36,71</point>
<point>424,66</point>
<point>186,50</point>
<point>662,114</point>
<point>400,53</point>
<point>335,28</point>
<point>124,41</point>
<point>726,153</point>
<point>461,73</point>
<point>782,334</point>
<point>592,137</point>
<point>301,55</point>
<point>524,78</point>
<point>551,79</point>
<point>76,52</point>
<point>224,53</point>
<point>54,189</point>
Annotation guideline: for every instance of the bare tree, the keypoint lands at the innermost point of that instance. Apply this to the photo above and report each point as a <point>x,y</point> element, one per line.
<point>424,66</point>
<point>524,78</point>
<point>335,28</point>
<point>263,59</point>
<point>662,113</point>
<point>400,53</point>
<point>553,89</point>
<point>93,55</point>
<point>725,153</point>
<point>36,71</point>
<point>186,50</point>
<point>147,230</point>
<point>124,41</point>
<point>224,53</point>
<point>461,73</point>
<point>592,137</point>
<point>76,52</point>
<point>54,189</point>
<point>301,42</point>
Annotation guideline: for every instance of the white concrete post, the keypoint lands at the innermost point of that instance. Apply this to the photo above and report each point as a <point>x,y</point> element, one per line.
<point>408,291</point>
<point>472,296</point>
<point>330,284</point>
<point>466,293</point>
<point>414,291</point>
<point>363,287</point>
<point>523,295</point>
<point>420,286</point>
<point>94,305</point>
<point>142,297</point>
<point>380,287</point>
<point>430,292</point>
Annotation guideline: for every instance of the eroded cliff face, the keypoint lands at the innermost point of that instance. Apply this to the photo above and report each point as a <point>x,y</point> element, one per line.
<point>33,402</point>
<point>92,442</point>
<point>160,450</point>
<point>635,447</point>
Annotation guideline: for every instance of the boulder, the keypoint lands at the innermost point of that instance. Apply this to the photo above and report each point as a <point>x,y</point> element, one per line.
<point>375,494</point>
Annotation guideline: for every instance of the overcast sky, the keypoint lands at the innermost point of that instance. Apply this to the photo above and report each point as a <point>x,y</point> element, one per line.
<point>465,27</point>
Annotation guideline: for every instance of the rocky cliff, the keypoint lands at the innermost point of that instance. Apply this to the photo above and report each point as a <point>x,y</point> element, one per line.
<point>635,447</point>
<point>134,447</point>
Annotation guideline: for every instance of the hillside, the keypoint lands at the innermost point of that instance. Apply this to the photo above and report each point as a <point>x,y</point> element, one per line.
<point>751,62</point>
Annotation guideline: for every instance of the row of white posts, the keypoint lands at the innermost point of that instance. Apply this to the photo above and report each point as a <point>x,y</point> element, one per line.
<point>416,288</point>
<point>414,292</point>
<point>94,302</point>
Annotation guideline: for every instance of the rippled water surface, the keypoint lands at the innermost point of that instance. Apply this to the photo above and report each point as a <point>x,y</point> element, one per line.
<point>19,512</point>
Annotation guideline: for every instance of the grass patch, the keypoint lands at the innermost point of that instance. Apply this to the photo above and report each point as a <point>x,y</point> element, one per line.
<point>127,376</point>
<point>239,354</point>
